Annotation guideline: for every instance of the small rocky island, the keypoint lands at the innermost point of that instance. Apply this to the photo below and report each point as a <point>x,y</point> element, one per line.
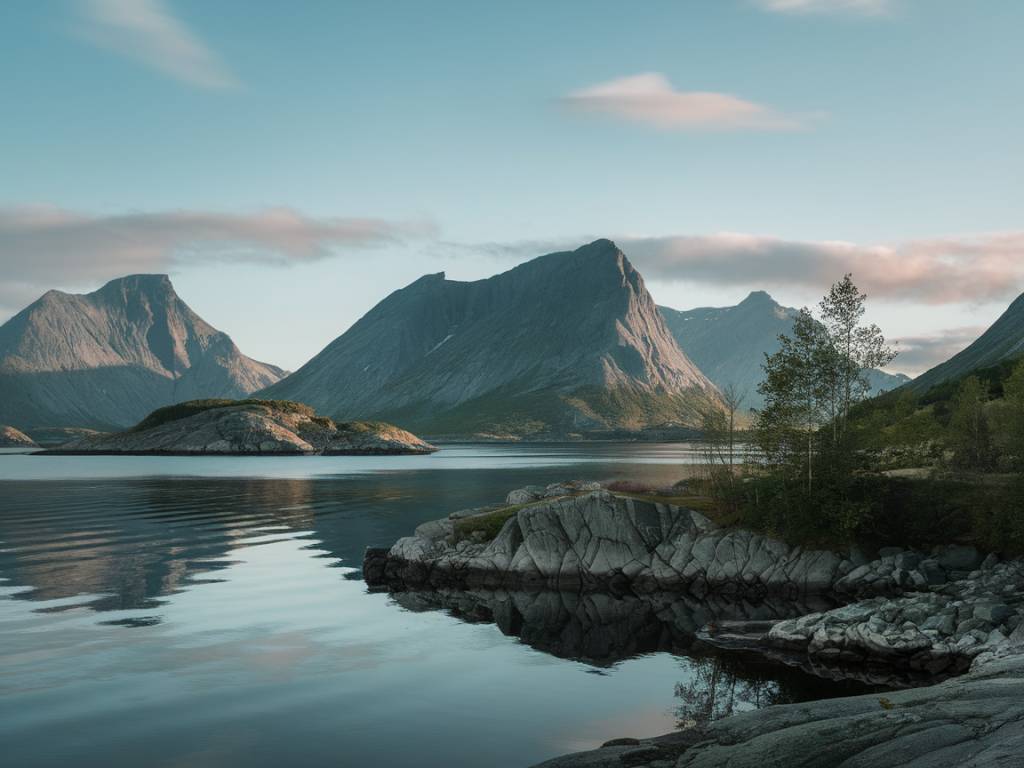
<point>248,427</point>
<point>948,624</point>
<point>15,438</point>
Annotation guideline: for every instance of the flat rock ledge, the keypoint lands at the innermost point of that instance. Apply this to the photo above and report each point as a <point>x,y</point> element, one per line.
<point>935,615</point>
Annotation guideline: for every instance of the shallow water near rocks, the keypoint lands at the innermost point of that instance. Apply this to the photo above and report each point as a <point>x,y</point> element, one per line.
<point>172,611</point>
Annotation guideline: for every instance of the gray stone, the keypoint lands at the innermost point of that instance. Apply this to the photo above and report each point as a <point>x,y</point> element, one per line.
<point>907,561</point>
<point>993,613</point>
<point>958,557</point>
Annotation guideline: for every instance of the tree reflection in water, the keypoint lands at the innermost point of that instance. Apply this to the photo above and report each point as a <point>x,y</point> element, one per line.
<point>715,690</point>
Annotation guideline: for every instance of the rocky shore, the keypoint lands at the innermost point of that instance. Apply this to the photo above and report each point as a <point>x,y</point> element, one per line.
<point>248,427</point>
<point>580,536</point>
<point>949,615</point>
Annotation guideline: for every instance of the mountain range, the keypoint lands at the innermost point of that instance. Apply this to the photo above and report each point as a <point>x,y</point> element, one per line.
<point>729,343</point>
<point>568,342</point>
<point>107,358</point>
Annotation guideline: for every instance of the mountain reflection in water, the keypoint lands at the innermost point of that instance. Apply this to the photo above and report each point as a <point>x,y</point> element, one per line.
<point>152,618</point>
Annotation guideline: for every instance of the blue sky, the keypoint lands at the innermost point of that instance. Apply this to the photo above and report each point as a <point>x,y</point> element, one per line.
<point>727,145</point>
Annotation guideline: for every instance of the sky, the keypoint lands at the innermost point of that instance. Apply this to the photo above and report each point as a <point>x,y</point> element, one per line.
<point>291,164</point>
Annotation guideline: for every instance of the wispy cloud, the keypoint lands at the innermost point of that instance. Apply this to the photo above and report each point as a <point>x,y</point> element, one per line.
<point>650,98</point>
<point>941,270</point>
<point>44,247</point>
<point>869,7</point>
<point>147,31</point>
<point>919,353</point>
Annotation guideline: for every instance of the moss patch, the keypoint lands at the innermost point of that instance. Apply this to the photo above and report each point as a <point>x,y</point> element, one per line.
<point>490,523</point>
<point>189,408</point>
<point>703,504</point>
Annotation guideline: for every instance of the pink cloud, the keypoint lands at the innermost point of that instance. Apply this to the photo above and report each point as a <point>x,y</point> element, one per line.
<point>940,270</point>
<point>41,247</point>
<point>650,98</point>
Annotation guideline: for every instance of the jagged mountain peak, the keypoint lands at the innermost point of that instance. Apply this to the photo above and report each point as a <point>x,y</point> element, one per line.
<point>759,298</point>
<point>448,356</point>
<point>729,343</point>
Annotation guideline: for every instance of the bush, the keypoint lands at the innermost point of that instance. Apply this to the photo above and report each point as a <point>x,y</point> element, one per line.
<point>876,510</point>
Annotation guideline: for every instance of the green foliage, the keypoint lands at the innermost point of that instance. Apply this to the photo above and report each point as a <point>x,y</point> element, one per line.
<point>189,408</point>
<point>1012,416</point>
<point>878,510</point>
<point>811,386</point>
<point>825,449</point>
<point>969,434</point>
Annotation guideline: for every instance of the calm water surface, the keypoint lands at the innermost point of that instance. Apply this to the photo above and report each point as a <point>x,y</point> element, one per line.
<point>174,611</point>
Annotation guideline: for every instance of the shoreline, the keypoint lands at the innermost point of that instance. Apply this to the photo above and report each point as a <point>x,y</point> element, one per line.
<point>941,620</point>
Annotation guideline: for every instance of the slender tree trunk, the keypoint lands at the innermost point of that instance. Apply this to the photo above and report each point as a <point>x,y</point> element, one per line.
<point>810,472</point>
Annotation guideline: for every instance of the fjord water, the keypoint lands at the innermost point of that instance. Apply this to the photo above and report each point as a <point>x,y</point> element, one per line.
<point>175,611</point>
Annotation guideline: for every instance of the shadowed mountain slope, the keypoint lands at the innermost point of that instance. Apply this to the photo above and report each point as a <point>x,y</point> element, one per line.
<point>1003,341</point>
<point>107,358</point>
<point>568,342</point>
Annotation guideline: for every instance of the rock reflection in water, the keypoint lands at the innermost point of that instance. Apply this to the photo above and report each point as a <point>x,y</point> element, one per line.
<point>598,628</point>
<point>602,630</point>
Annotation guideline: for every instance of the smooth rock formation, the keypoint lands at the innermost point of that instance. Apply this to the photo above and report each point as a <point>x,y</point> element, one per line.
<point>14,438</point>
<point>729,343</point>
<point>249,427</point>
<point>568,343</point>
<point>573,535</point>
<point>105,359</point>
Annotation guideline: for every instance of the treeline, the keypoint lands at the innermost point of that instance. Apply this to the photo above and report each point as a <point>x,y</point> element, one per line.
<point>973,425</point>
<point>819,468</point>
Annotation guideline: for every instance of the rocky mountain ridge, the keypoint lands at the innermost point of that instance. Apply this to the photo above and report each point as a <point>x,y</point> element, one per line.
<point>107,358</point>
<point>729,343</point>
<point>568,342</point>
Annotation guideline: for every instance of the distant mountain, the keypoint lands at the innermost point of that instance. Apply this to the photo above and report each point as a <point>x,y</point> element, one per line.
<point>107,358</point>
<point>729,343</point>
<point>1002,342</point>
<point>568,342</point>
